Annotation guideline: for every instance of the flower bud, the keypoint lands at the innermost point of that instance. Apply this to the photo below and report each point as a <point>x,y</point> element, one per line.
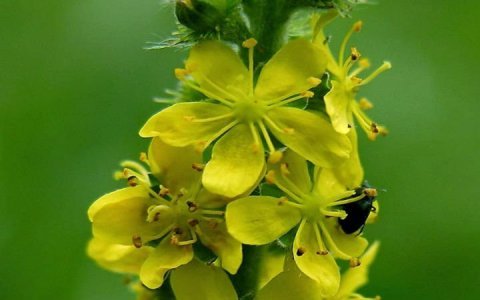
<point>202,16</point>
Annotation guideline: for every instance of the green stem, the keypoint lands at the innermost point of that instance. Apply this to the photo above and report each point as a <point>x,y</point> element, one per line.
<point>246,279</point>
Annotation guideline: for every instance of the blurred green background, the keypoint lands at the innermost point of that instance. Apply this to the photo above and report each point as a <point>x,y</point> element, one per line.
<point>76,85</point>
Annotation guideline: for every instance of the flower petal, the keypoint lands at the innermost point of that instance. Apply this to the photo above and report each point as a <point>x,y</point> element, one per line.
<point>121,215</point>
<point>309,135</point>
<point>214,235</point>
<point>295,169</point>
<point>178,125</point>
<point>259,220</point>
<point>291,284</point>
<point>173,165</point>
<point>206,282</point>
<point>337,102</point>
<point>288,71</point>
<point>350,173</point>
<point>350,244</point>
<point>236,165</point>
<point>321,268</point>
<point>218,70</point>
<point>117,258</point>
<point>355,278</point>
<point>166,256</point>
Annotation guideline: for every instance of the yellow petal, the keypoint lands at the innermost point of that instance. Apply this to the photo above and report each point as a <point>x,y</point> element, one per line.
<point>173,165</point>
<point>355,278</point>
<point>321,268</point>
<point>237,164</point>
<point>197,281</point>
<point>184,124</point>
<point>337,102</point>
<point>271,265</point>
<point>294,168</point>
<point>166,256</point>
<point>214,235</point>
<point>117,258</point>
<point>218,70</point>
<point>120,216</point>
<point>310,135</point>
<point>259,220</point>
<point>291,284</point>
<point>351,244</point>
<point>288,71</point>
<point>347,176</point>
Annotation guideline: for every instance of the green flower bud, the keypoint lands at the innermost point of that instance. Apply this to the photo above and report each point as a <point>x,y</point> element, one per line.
<point>203,16</point>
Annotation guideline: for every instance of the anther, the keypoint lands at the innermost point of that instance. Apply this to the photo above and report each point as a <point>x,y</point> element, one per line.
<point>174,240</point>
<point>189,118</point>
<point>181,73</point>
<point>132,181</point>
<point>308,94</point>
<point>314,81</point>
<point>370,192</point>
<point>365,104</point>
<point>191,206</point>
<point>137,241</point>
<point>177,231</point>
<point>284,169</point>
<point>357,26</point>
<point>289,130</point>
<point>355,54</point>
<point>143,157</point>
<point>373,127</point>
<point>354,262</point>
<point>270,177</point>
<point>275,157</point>
<point>198,167</point>
<point>182,192</point>
<point>356,80</point>
<point>163,191</point>
<point>193,222</point>
<point>364,63</point>
<point>322,252</point>
<point>250,43</point>
<point>282,201</point>
<point>301,251</point>
<point>200,146</point>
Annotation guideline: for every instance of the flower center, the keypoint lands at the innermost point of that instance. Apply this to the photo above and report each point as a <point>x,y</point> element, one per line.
<point>249,110</point>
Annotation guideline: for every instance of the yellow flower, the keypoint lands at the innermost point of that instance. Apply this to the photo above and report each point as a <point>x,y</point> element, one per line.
<point>242,115</point>
<point>168,218</point>
<point>194,280</point>
<point>293,284</point>
<point>340,101</point>
<point>315,207</point>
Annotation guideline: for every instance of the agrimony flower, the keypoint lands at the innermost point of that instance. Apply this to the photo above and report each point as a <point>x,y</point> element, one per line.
<point>340,101</point>
<point>293,284</point>
<point>242,115</point>
<point>314,207</point>
<point>168,217</point>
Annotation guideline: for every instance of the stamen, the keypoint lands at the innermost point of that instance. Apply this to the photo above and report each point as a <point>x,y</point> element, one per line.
<point>284,201</point>
<point>250,44</point>
<point>155,211</point>
<point>189,242</point>
<point>331,243</point>
<point>192,207</point>
<point>132,181</point>
<point>275,155</point>
<point>370,192</point>
<point>345,201</point>
<point>136,167</point>
<point>340,196</point>
<point>336,214</point>
<point>137,241</point>
<point>355,54</point>
<point>219,88</point>
<point>288,192</point>
<point>321,245</point>
<point>272,124</point>
<point>212,119</point>
<point>314,81</point>
<point>164,232</point>
<point>384,67</point>
<point>209,94</point>
<point>354,262</point>
<point>212,212</point>
<point>300,250</point>
<point>270,177</point>
<point>256,138</point>
<point>364,104</point>
<point>163,191</point>
<point>181,73</point>
<point>164,100</point>
<point>144,158</point>
<point>355,28</point>
<point>198,167</point>
<point>306,94</point>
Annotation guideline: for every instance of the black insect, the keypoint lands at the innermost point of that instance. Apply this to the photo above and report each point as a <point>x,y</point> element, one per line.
<point>358,211</point>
